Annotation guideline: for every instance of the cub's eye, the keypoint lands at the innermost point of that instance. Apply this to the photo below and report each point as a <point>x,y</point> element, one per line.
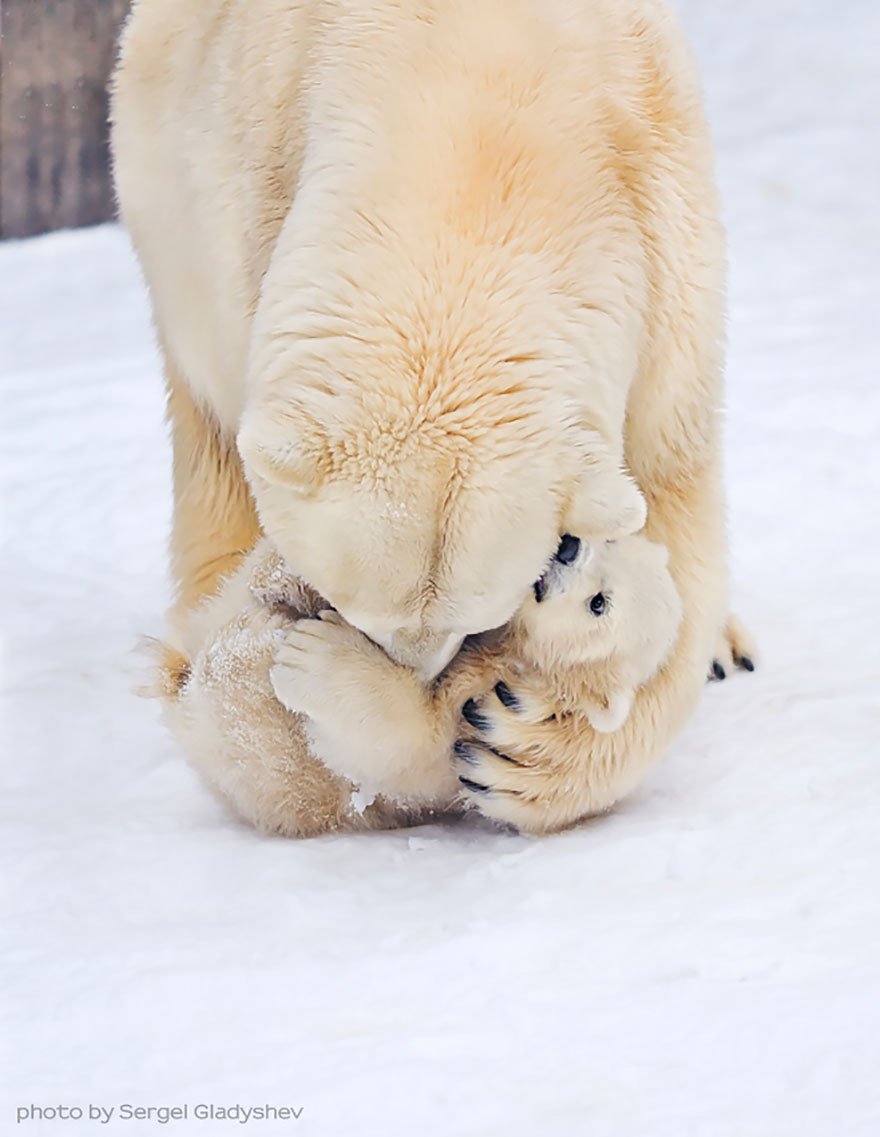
<point>597,604</point>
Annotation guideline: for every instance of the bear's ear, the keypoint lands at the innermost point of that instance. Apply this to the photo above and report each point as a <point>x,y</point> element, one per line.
<point>282,447</point>
<point>606,503</point>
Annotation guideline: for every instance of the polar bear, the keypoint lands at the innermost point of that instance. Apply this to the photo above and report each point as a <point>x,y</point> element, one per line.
<point>356,740</point>
<point>435,283</point>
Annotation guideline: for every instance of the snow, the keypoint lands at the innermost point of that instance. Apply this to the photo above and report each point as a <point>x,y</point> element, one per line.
<point>702,963</point>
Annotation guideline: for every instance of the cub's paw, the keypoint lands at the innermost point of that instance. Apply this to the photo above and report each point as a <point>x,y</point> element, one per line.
<point>366,717</point>
<point>321,663</point>
<point>503,712</point>
<point>735,650</point>
<point>506,758</point>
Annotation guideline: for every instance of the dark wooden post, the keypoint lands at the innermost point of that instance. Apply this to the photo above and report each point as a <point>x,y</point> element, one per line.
<point>55,59</point>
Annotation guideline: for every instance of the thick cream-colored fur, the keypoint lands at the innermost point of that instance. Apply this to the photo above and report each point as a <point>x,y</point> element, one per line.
<point>374,723</point>
<point>355,740</point>
<point>442,270</point>
<point>596,658</point>
<point>219,703</point>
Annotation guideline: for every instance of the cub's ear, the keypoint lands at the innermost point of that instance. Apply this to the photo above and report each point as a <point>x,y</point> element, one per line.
<point>282,447</point>
<point>606,503</point>
<point>610,716</point>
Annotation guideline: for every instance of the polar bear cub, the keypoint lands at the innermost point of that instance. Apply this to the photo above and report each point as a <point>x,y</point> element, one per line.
<point>298,719</point>
<point>607,611</point>
<point>598,623</point>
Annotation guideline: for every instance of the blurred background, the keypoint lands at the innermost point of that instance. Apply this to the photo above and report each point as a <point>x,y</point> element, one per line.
<point>57,56</point>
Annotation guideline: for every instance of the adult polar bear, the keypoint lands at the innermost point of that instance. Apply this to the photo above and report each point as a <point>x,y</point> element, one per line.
<point>422,272</point>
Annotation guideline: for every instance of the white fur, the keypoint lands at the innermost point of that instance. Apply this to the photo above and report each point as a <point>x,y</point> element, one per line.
<point>449,273</point>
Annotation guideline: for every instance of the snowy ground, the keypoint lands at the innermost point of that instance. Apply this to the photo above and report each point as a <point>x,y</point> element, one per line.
<point>703,963</point>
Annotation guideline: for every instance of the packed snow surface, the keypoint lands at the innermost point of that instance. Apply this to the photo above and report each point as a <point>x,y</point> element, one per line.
<point>702,963</point>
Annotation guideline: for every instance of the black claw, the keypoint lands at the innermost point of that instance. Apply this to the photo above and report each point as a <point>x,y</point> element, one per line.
<point>506,696</point>
<point>717,670</point>
<point>462,750</point>
<point>471,713</point>
<point>745,663</point>
<point>474,787</point>
<point>503,757</point>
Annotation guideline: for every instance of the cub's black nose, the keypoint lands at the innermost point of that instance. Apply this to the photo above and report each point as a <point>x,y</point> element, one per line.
<point>569,547</point>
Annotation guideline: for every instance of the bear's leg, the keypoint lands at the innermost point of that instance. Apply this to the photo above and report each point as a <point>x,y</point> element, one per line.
<point>215,522</point>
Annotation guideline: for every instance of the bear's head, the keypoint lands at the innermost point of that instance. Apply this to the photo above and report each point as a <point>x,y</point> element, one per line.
<point>423,528</point>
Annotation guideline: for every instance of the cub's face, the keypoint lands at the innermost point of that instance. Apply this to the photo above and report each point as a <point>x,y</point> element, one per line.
<point>601,599</point>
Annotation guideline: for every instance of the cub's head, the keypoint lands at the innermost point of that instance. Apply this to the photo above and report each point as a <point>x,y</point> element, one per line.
<point>423,526</point>
<point>601,600</point>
